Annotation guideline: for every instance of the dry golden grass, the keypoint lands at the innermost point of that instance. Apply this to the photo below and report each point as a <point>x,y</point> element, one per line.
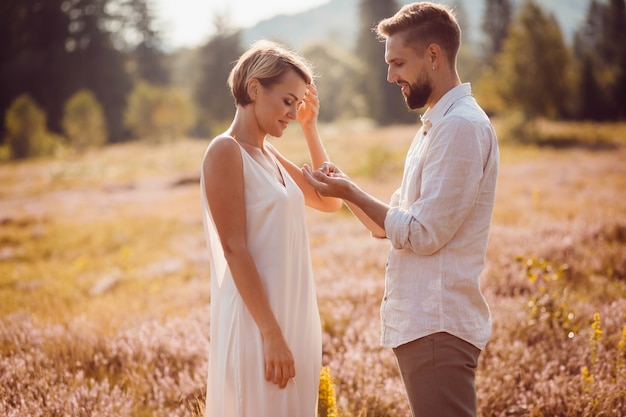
<point>104,286</point>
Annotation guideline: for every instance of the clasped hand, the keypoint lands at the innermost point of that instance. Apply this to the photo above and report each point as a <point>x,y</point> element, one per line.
<point>328,180</point>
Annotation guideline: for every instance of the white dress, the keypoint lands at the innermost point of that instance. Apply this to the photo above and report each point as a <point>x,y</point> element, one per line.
<point>278,243</point>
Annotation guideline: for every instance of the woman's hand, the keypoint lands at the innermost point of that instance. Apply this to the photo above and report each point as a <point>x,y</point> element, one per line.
<point>279,363</point>
<point>309,109</point>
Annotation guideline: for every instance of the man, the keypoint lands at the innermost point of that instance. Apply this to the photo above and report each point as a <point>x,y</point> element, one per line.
<point>433,313</point>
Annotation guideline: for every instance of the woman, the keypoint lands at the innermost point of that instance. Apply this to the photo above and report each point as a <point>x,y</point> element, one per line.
<point>265,338</point>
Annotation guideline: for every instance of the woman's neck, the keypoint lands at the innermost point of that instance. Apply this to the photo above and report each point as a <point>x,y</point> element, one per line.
<point>245,128</point>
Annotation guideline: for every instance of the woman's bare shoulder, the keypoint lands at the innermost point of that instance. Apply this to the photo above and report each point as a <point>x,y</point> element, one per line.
<point>221,149</point>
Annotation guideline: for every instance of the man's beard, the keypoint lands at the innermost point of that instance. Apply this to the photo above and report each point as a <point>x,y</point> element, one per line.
<point>418,94</point>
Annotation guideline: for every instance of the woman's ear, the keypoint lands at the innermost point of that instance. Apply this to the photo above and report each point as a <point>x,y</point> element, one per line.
<point>253,88</point>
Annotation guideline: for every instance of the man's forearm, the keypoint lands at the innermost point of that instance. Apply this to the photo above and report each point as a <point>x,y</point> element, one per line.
<point>369,210</point>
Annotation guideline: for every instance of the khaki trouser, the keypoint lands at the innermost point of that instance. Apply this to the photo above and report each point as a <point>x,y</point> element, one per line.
<point>439,375</point>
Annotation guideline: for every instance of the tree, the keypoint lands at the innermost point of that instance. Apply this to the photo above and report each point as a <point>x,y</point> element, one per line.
<point>337,82</point>
<point>613,31</point>
<point>534,67</point>
<point>25,124</point>
<point>385,102</point>
<point>468,65</point>
<point>592,102</point>
<point>216,59</point>
<point>496,20</point>
<point>83,121</point>
<point>144,41</point>
<point>462,18</point>
<point>98,63</point>
<point>590,33</point>
<point>52,48</point>
<point>33,56</point>
<point>600,47</point>
<point>173,114</point>
<point>617,21</point>
<point>158,113</point>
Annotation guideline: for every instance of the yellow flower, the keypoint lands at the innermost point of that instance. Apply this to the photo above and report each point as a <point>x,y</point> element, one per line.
<point>622,343</point>
<point>586,375</point>
<point>596,337</point>
<point>327,404</point>
<point>597,331</point>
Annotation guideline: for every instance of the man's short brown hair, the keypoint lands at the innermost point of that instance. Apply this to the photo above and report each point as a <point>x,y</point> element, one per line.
<point>424,23</point>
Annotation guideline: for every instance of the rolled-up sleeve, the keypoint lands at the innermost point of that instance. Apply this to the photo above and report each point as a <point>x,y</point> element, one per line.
<point>452,168</point>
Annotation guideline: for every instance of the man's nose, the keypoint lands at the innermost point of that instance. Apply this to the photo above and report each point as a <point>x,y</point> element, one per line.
<point>392,77</point>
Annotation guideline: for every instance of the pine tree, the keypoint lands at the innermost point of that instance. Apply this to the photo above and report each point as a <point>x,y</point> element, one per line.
<point>600,47</point>
<point>385,102</point>
<point>615,40</point>
<point>534,67</point>
<point>591,102</point>
<point>33,55</point>
<point>148,54</point>
<point>216,59</point>
<point>100,62</point>
<point>53,48</point>
<point>496,21</point>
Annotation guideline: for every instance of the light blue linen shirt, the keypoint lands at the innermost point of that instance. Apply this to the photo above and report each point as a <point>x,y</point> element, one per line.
<point>439,224</point>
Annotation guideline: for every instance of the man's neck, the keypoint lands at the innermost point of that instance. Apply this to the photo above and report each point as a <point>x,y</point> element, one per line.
<point>444,82</point>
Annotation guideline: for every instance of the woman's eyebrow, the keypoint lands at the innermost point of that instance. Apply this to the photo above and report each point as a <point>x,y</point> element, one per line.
<point>298,100</point>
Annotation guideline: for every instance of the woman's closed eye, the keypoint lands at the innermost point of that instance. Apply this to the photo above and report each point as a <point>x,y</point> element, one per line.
<point>297,104</point>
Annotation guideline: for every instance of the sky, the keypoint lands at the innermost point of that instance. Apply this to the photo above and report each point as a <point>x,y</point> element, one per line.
<point>190,22</point>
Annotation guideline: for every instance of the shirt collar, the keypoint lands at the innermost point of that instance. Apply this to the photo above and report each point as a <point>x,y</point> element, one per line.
<point>433,114</point>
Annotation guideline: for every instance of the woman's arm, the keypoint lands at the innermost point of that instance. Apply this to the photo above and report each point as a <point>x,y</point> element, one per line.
<point>329,180</point>
<point>224,188</point>
<point>307,116</point>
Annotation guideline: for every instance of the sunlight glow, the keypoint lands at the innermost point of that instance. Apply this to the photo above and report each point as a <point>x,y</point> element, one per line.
<point>190,22</point>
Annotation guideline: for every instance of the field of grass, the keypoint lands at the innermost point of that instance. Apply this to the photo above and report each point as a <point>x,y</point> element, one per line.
<point>104,283</point>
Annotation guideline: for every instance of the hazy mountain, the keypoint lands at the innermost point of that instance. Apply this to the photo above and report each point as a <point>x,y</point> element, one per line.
<point>338,21</point>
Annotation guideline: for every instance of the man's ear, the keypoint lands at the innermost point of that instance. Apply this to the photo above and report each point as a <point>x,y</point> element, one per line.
<point>434,54</point>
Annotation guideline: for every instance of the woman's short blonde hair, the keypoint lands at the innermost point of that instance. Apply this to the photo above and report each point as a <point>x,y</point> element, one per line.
<point>268,62</point>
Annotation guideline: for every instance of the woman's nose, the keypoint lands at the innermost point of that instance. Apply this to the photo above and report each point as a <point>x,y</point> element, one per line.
<point>293,111</point>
